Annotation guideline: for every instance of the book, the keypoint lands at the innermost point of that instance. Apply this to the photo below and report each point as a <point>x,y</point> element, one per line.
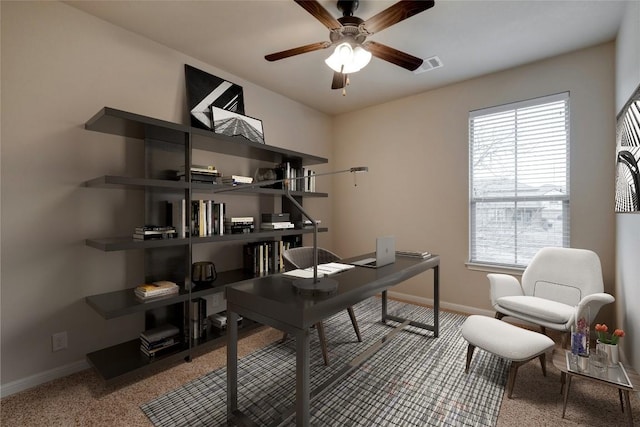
<point>237,179</point>
<point>153,229</point>
<point>276,225</point>
<point>233,219</point>
<point>152,236</point>
<point>414,254</point>
<point>275,217</point>
<point>199,168</point>
<point>155,289</point>
<point>159,333</point>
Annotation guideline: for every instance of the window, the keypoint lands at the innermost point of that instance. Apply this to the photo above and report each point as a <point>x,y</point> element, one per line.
<point>519,180</point>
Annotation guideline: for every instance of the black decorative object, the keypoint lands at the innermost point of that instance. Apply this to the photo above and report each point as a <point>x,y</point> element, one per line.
<point>628,156</point>
<point>230,123</point>
<point>204,91</point>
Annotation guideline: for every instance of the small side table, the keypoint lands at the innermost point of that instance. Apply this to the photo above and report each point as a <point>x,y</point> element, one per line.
<point>620,377</point>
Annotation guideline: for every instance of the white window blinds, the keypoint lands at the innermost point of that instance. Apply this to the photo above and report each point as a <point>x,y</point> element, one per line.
<point>519,180</point>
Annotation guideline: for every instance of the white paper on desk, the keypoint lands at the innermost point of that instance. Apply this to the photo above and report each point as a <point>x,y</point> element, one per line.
<point>333,268</point>
<point>302,273</point>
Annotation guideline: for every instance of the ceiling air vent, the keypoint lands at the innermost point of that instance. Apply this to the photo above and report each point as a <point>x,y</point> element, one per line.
<point>428,65</point>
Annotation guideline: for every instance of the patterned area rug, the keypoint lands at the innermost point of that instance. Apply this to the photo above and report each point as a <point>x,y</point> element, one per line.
<point>415,380</point>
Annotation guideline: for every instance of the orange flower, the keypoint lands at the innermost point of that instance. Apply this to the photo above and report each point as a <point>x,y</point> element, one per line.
<point>604,337</point>
<point>601,328</point>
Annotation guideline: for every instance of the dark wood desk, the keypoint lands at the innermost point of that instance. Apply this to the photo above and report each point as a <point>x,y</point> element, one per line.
<point>272,301</point>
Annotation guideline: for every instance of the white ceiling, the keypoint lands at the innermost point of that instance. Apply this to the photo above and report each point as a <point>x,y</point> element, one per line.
<point>471,37</point>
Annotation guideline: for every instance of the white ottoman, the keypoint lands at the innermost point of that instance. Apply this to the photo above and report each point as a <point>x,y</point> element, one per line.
<point>505,340</point>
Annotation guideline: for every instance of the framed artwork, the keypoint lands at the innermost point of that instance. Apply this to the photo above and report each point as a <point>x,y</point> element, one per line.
<point>628,156</point>
<point>233,124</point>
<point>205,90</point>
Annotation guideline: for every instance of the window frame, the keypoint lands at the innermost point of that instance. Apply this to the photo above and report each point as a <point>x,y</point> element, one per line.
<point>479,263</point>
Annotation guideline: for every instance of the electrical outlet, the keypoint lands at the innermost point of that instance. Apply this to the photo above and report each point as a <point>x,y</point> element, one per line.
<point>59,341</point>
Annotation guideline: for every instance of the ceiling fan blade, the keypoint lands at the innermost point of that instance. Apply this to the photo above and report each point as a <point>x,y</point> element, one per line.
<point>338,80</point>
<point>392,55</point>
<point>396,13</point>
<point>297,51</point>
<point>320,13</point>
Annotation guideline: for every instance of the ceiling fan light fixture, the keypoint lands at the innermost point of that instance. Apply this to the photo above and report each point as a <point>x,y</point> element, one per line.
<point>346,59</point>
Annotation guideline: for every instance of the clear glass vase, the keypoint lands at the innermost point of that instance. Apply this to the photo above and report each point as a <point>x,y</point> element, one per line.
<point>580,336</point>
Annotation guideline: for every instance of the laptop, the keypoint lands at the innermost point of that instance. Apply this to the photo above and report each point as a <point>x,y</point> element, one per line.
<point>385,253</point>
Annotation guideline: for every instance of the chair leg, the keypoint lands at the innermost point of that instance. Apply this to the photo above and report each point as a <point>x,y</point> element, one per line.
<point>511,381</point>
<point>284,338</point>
<point>543,330</point>
<point>499,315</point>
<point>354,322</point>
<point>543,363</point>
<point>323,342</point>
<point>470,349</point>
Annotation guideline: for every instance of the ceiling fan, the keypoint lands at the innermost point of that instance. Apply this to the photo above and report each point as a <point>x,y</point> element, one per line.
<point>349,34</point>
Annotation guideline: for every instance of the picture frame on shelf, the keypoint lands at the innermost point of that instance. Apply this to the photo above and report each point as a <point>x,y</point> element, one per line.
<point>230,123</point>
<point>628,156</point>
<point>205,90</point>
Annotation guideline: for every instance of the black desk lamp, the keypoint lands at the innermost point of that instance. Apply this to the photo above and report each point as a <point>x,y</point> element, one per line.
<point>315,285</point>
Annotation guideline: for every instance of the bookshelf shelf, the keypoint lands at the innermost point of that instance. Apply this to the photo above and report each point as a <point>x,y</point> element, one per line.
<point>167,143</point>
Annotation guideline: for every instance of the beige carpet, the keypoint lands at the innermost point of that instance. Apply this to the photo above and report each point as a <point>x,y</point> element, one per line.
<point>83,400</point>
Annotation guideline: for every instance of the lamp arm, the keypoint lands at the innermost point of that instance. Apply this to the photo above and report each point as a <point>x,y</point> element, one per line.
<point>315,232</point>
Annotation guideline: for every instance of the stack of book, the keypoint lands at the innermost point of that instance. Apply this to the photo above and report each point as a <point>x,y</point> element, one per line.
<point>237,179</point>
<point>238,224</point>
<point>275,221</point>
<point>150,232</point>
<point>157,339</point>
<point>414,254</point>
<point>207,174</point>
<point>161,288</point>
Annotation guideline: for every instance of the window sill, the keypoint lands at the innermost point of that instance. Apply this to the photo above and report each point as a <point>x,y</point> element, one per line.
<point>492,268</point>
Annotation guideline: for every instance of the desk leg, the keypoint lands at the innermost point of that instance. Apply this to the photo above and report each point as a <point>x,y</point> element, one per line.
<point>627,402</point>
<point>384,307</point>
<point>232,363</point>
<point>303,389</point>
<point>436,301</point>
<point>566,395</point>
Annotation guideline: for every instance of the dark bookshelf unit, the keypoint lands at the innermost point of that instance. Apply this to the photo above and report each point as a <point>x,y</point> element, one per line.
<point>171,259</point>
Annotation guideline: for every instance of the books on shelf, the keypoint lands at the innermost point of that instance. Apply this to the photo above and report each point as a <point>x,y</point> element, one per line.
<point>156,289</point>
<point>264,257</point>
<point>238,225</point>
<point>237,179</point>
<point>276,225</point>
<point>157,339</point>
<point>299,179</point>
<point>414,254</point>
<point>276,217</point>
<point>149,232</point>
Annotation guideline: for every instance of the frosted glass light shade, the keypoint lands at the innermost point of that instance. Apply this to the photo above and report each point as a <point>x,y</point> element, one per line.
<point>347,60</point>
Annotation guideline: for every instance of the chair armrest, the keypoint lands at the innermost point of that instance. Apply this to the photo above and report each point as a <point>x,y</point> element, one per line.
<point>594,302</point>
<point>503,285</point>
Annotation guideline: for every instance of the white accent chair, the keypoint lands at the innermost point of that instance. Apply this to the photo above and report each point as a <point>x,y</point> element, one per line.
<point>557,284</point>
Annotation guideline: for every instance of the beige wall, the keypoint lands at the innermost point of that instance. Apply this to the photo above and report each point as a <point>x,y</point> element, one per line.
<point>628,225</point>
<point>417,151</point>
<point>59,67</point>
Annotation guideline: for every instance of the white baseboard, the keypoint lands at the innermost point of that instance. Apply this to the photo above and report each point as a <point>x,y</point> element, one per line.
<point>444,305</point>
<point>41,378</point>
